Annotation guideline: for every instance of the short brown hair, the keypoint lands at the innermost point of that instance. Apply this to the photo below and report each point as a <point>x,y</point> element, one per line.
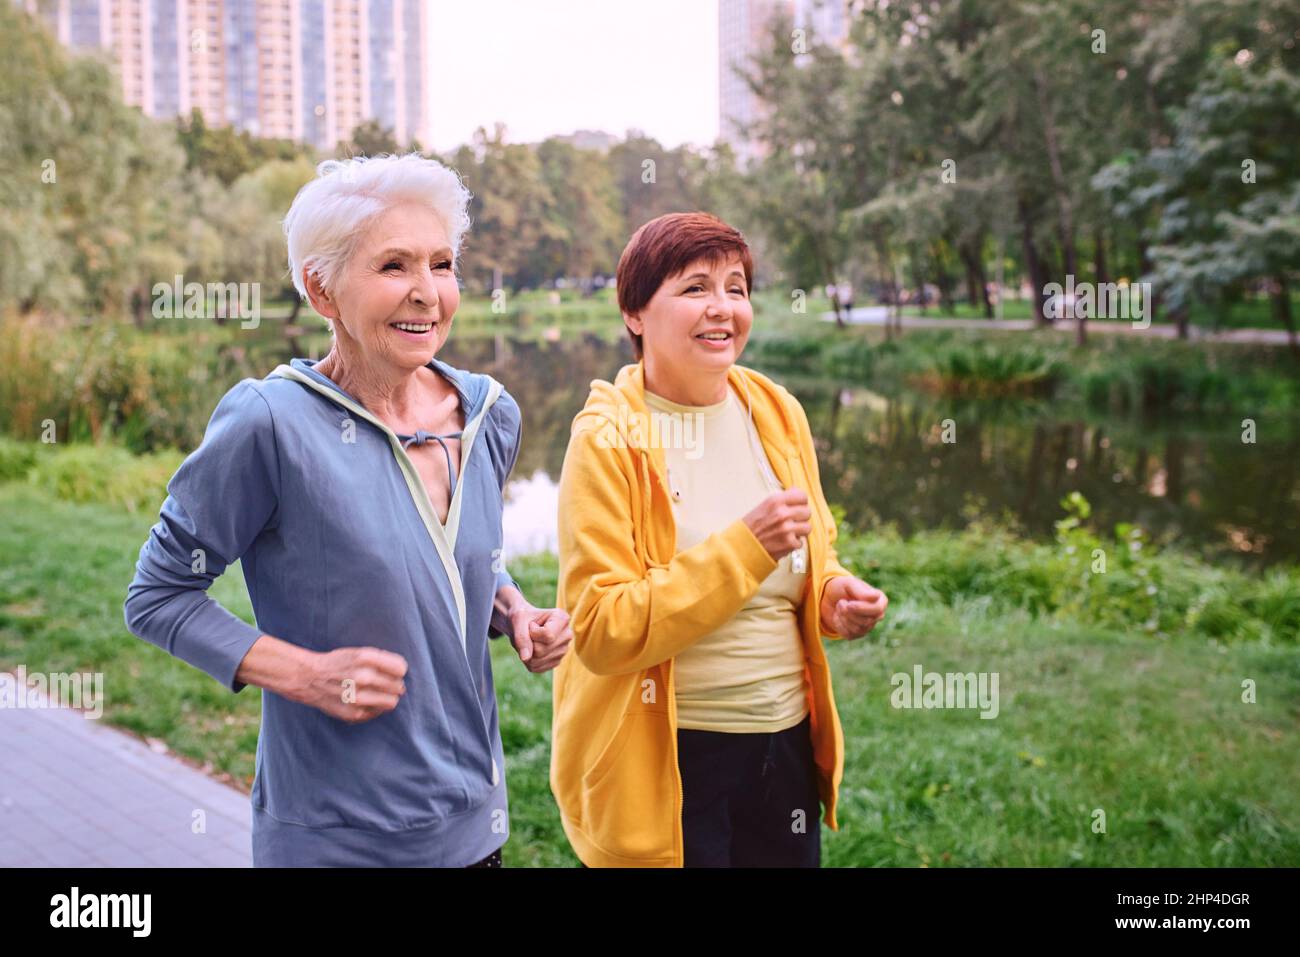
<point>664,247</point>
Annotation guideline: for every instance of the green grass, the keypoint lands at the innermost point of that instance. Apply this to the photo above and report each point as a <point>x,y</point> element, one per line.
<point>1148,727</point>
<point>1153,734</point>
<point>62,585</point>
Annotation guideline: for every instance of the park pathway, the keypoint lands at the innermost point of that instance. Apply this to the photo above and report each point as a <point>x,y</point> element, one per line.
<point>875,316</point>
<point>77,793</point>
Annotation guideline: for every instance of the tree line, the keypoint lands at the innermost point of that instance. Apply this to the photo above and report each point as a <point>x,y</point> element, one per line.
<point>1098,139</point>
<point>941,145</point>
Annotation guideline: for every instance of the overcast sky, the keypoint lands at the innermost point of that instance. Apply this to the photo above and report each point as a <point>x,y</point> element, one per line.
<point>554,66</point>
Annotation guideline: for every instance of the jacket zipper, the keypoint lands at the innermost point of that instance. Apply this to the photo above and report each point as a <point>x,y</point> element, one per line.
<point>679,839</point>
<point>680,831</point>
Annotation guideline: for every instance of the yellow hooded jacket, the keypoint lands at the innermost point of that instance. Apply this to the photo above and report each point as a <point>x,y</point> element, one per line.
<point>634,605</point>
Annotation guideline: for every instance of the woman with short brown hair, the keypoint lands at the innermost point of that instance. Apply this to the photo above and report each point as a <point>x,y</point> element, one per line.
<point>695,723</point>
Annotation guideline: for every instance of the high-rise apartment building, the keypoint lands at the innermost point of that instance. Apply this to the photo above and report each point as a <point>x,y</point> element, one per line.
<point>308,70</point>
<point>744,30</point>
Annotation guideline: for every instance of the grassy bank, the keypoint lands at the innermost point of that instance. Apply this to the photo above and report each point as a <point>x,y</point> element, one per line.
<point>1111,698</point>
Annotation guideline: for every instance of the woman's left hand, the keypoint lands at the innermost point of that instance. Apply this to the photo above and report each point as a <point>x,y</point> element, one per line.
<point>541,636</point>
<point>851,608</point>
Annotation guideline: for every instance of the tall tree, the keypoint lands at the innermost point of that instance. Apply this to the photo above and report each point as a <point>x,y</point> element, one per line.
<point>513,209</point>
<point>586,207</point>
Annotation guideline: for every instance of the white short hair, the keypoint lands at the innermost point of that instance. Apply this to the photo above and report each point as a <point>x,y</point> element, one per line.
<point>329,214</point>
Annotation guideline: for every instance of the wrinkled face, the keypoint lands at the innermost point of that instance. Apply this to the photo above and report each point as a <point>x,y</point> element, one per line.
<point>698,320</point>
<point>397,295</point>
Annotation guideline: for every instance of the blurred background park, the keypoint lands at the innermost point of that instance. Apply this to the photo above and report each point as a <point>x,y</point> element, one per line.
<point>916,181</point>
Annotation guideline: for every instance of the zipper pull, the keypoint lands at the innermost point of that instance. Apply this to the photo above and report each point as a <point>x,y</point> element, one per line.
<point>799,559</point>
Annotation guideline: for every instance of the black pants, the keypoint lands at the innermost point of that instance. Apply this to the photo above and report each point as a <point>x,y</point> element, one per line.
<point>492,860</point>
<point>750,800</point>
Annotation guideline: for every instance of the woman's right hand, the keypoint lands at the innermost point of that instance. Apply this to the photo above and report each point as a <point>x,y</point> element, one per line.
<point>351,684</point>
<point>355,684</point>
<point>781,521</point>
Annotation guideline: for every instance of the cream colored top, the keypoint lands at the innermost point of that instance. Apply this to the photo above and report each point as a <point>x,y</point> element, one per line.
<point>748,675</point>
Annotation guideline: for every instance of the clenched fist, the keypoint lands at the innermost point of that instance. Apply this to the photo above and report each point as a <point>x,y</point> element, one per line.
<point>850,607</point>
<point>781,521</point>
<point>541,636</point>
<point>355,684</point>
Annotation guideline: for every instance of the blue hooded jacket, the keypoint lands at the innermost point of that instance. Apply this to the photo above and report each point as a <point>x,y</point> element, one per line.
<point>340,547</point>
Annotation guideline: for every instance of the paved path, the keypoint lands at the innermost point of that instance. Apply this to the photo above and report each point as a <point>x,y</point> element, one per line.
<point>77,793</point>
<point>875,316</point>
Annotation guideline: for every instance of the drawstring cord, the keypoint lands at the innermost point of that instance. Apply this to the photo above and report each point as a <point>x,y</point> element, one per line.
<point>799,557</point>
<point>422,437</point>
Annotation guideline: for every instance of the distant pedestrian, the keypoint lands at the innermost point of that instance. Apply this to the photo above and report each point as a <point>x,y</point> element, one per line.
<point>845,290</point>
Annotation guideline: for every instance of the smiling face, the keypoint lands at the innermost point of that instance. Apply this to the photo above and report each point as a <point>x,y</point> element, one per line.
<point>395,301</point>
<point>696,325</point>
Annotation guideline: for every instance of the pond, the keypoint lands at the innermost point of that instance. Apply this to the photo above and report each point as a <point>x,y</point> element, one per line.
<point>884,458</point>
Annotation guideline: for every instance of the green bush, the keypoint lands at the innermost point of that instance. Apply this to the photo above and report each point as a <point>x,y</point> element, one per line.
<point>109,475</point>
<point>103,382</point>
<point>789,352</point>
<point>981,371</point>
<point>1117,582</point>
<point>16,459</point>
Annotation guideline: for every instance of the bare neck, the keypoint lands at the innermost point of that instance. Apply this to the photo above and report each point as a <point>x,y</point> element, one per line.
<point>707,389</point>
<point>390,393</point>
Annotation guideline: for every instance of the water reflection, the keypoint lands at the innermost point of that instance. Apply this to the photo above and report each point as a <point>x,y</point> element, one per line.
<point>528,519</point>
<point>888,458</point>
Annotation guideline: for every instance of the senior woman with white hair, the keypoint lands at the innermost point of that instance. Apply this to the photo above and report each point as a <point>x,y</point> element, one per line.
<point>363,494</point>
